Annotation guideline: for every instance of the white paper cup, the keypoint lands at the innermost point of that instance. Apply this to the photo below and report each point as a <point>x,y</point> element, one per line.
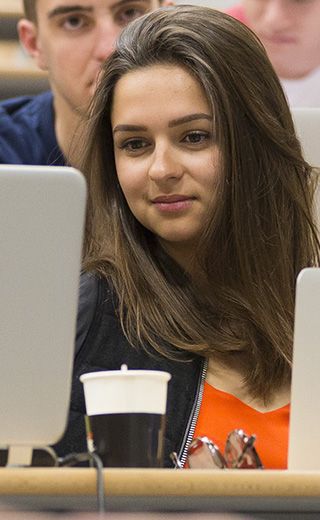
<point>126,410</point>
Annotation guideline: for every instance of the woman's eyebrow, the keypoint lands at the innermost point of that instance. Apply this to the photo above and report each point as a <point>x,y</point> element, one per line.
<point>190,117</point>
<point>129,128</point>
<point>173,122</point>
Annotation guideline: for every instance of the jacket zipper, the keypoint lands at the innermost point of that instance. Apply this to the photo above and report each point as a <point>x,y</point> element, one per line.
<point>188,436</point>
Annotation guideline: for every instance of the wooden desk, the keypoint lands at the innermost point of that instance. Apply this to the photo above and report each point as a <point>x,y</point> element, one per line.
<point>10,8</point>
<point>15,63</point>
<point>18,73</point>
<point>270,492</point>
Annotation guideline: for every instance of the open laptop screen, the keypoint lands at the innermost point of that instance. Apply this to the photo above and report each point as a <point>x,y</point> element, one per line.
<point>41,228</point>
<point>304,430</point>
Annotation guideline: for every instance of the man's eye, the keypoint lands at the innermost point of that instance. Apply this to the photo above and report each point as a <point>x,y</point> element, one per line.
<point>196,137</point>
<point>74,22</point>
<point>126,16</point>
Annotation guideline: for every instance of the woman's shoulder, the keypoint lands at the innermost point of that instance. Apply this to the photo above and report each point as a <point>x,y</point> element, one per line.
<point>92,291</point>
<point>90,288</point>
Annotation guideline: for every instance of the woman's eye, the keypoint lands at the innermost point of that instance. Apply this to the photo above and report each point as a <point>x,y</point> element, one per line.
<point>134,145</point>
<point>196,137</point>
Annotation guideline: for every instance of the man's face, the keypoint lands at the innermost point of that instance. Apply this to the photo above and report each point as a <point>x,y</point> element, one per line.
<point>72,38</point>
<point>290,31</point>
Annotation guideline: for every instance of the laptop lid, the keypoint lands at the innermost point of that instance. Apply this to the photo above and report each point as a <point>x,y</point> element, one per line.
<point>41,230</point>
<point>307,124</point>
<point>304,430</point>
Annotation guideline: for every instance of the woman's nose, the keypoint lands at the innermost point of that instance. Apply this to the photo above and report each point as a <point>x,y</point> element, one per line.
<point>165,164</point>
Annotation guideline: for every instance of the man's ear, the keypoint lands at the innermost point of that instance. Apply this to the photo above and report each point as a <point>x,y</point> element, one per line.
<point>29,38</point>
<point>166,3</point>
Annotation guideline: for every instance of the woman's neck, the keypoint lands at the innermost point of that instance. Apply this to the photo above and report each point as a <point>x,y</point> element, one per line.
<point>229,377</point>
<point>182,254</point>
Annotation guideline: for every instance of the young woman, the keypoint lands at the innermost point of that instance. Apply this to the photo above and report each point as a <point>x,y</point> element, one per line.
<point>199,220</point>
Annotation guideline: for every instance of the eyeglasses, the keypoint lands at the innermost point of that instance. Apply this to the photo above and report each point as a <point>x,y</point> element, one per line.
<point>239,453</point>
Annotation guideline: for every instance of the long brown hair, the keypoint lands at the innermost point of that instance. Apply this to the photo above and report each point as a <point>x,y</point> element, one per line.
<point>260,232</point>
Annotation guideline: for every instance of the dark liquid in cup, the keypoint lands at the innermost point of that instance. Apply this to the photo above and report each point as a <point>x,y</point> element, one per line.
<point>132,440</point>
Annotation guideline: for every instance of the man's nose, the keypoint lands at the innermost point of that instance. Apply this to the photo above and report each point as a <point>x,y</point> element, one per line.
<point>277,13</point>
<point>107,33</point>
<point>165,164</point>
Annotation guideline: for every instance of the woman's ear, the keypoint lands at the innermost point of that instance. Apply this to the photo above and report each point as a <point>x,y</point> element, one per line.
<point>28,35</point>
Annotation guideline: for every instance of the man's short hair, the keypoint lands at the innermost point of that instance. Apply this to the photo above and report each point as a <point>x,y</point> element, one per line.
<point>29,7</point>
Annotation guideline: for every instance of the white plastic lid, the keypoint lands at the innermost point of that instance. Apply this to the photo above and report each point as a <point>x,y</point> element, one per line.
<point>125,391</point>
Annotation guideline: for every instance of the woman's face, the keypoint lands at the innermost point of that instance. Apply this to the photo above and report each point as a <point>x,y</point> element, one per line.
<point>166,155</point>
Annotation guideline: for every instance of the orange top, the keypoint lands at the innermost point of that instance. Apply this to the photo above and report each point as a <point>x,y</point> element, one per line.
<point>220,413</point>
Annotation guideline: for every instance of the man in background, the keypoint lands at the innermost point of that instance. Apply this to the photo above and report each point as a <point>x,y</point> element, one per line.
<point>70,39</point>
<point>290,32</point>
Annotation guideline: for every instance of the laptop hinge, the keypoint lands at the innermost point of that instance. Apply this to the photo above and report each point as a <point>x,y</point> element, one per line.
<point>19,456</point>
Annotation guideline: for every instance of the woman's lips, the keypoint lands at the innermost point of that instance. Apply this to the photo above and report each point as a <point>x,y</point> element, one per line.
<point>173,203</point>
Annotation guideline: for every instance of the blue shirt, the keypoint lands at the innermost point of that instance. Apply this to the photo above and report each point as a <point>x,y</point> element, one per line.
<point>27,134</point>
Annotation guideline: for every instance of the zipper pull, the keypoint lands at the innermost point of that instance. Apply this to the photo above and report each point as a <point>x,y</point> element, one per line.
<point>175,459</point>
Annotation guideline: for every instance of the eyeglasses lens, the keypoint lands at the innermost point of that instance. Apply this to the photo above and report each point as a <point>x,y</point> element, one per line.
<point>240,452</point>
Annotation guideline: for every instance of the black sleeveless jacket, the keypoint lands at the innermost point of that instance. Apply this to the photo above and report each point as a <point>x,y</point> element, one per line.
<point>101,345</point>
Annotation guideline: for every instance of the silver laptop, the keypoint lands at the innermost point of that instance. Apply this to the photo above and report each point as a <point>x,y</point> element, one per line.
<point>304,431</point>
<point>307,124</point>
<point>41,230</point>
